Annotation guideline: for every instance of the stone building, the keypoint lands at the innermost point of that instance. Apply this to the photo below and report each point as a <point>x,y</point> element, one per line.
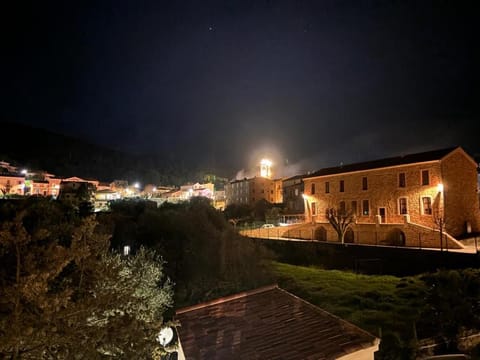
<point>249,191</point>
<point>293,194</point>
<point>401,197</point>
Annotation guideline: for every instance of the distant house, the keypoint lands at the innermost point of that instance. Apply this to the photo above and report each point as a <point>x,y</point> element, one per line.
<point>249,191</point>
<point>40,188</point>
<point>103,198</point>
<point>11,184</point>
<point>268,323</point>
<point>94,182</point>
<point>402,199</point>
<point>77,191</point>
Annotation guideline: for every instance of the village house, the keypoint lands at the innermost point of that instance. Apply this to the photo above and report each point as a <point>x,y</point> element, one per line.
<point>249,191</point>
<point>12,184</point>
<point>405,200</point>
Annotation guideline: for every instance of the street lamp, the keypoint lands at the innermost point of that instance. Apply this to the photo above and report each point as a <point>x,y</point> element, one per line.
<point>440,219</point>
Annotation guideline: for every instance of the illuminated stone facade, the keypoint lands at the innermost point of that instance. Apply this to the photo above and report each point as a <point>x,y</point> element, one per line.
<point>249,191</point>
<point>11,184</point>
<point>417,189</point>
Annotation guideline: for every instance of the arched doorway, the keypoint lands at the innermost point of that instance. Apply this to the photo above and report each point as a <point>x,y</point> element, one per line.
<point>396,237</point>
<point>349,236</point>
<point>320,233</point>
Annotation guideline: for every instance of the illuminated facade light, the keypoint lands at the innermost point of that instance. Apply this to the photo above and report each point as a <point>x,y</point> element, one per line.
<point>266,168</point>
<point>440,187</point>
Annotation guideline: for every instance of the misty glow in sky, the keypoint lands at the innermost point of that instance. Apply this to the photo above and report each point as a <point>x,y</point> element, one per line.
<point>222,84</point>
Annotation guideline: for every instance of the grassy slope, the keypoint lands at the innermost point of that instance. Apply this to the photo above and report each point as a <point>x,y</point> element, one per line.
<point>371,302</point>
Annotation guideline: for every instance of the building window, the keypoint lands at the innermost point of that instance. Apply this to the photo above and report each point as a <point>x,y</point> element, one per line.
<point>327,187</point>
<point>341,208</point>
<point>126,250</point>
<point>364,183</point>
<point>425,177</point>
<point>313,189</point>
<point>402,206</point>
<point>427,205</point>
<point>342,186</point>
<point>314,208</point>
<point>401,180</point>
<point>365,208</point>
<point>296,192</point>
<point>354,207</point>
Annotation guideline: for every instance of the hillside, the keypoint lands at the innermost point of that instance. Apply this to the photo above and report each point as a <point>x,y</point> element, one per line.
<point>62,155</point>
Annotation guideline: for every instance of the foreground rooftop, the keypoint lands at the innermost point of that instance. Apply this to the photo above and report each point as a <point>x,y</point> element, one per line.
<point>268,323</point>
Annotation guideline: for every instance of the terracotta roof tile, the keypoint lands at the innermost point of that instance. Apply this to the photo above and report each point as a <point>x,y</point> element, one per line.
<point>267,323</point>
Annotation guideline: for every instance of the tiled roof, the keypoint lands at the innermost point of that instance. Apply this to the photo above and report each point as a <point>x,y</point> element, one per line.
<point>392,161</point>
<point>301,176</point>
<point>266,323</point>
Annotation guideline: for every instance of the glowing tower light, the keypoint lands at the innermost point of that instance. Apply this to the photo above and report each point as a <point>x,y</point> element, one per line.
<point>265,168</point>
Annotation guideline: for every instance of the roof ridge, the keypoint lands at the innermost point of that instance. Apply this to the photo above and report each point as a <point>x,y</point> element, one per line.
<point>227,298</point>
<point>404,159</point>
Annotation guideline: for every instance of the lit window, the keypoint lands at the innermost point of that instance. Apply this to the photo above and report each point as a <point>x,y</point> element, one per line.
<point>425,177</point>
<point>402,180</point>
<point>342,186</point>
<point>366,207</point>
<point>327,187</point>
<point>402,206</point>
<point>126,250</point>
<point>427,205</point>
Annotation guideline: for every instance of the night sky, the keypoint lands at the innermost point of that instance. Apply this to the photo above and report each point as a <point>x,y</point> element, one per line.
<point>219,84</point>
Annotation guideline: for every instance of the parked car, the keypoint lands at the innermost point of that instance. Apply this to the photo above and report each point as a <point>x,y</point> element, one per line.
<point>267,226</point>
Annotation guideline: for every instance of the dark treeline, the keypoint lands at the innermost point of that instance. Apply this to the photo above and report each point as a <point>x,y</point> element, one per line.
<point>204,256</point>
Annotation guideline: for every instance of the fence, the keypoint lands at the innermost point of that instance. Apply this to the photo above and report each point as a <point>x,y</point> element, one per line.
<point>392,237</point>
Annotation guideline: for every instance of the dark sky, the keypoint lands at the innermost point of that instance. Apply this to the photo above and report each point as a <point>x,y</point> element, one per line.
<point>220,84</point>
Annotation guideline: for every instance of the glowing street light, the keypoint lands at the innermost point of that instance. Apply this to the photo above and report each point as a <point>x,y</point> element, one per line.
<point>440,188</point>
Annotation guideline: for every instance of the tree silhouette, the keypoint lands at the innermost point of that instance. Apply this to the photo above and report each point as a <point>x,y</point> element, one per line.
<point>340,221</point>
<point>73,298</point>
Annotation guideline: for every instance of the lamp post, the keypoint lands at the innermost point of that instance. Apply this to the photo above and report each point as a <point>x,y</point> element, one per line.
<point>440,219</point>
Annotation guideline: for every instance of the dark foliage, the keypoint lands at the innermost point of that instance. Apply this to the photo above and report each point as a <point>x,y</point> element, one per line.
<point>205,256</point>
